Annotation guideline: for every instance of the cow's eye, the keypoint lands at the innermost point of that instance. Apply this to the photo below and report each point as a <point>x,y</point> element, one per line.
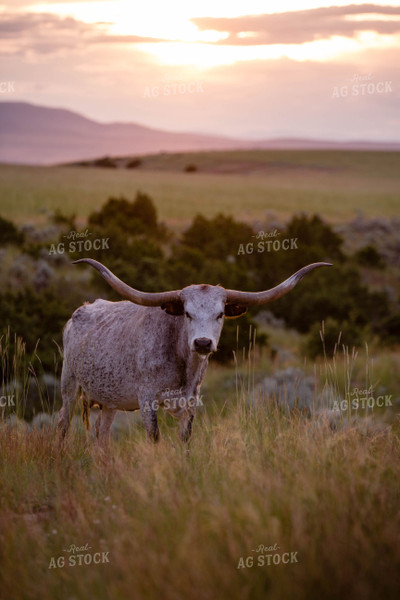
<point>188,316</point>
<point>220,315</point>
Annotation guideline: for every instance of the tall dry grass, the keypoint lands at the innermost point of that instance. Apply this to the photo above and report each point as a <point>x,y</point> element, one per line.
<point>176,521</point>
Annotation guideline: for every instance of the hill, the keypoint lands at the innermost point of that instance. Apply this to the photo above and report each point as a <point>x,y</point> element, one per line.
<point>37,135</point>
<point>40,135</point>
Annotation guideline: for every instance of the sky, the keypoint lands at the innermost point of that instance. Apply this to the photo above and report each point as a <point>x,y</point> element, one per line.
<point>247,69</point>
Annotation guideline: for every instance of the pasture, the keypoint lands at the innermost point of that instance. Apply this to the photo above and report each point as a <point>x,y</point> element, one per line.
<point>214,519</point>
<point>243,184</point>
<point>175,523</point>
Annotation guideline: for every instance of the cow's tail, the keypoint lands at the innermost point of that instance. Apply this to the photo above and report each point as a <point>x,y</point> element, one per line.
<point>85,412</point>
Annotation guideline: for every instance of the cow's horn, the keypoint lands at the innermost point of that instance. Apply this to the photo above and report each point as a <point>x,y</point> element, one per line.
<point>258,298</point>
<point>142,298</point>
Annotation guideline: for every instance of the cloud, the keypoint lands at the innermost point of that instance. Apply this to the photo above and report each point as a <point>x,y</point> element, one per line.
<point>23,3</point>
<point>302,26</point>
<point>33,23</point>
<point>43,33</point>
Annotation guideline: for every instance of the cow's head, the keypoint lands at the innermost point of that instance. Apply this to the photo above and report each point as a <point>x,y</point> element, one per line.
<point>203,307</point>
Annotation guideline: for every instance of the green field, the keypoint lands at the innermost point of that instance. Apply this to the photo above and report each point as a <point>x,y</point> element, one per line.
<point>244,184</point>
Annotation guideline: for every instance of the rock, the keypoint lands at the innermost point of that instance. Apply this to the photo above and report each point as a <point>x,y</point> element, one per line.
<point>290,388</point>
<point>43,275</point>
<point>43,420</point>
<point>266,317</point>
<point>15,422</point>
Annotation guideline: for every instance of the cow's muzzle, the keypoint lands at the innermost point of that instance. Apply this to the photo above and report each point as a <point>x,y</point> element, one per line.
<point>203,345</point>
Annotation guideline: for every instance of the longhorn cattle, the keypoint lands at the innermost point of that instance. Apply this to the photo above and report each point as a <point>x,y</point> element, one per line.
<point>125,355</point>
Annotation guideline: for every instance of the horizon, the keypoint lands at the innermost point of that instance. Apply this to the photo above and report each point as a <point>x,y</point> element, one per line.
<point>208,133</point>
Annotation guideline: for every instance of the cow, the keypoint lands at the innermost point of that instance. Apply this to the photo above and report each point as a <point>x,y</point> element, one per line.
<point>125,355</point>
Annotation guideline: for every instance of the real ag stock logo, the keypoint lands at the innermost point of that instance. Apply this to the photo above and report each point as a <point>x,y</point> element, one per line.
<point>268,242</point>
<point>174,88</point>
<point>79,241</point>
<point>267,556</point>
<point>78,556</point>
<point>174,400</point>
<point>362,85</point>
<point>362,399</point>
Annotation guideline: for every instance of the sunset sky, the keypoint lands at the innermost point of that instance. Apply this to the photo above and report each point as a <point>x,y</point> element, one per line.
<point>251,68</point>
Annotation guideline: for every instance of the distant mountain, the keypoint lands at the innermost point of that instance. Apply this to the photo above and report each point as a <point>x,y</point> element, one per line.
<point>39,135</point>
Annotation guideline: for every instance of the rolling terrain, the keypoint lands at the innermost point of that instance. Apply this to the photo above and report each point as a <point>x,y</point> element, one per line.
<point>244,184</point>
<point>39,135</point>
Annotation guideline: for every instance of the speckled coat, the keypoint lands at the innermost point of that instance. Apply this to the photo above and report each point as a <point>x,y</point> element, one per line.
<point>124,357</point>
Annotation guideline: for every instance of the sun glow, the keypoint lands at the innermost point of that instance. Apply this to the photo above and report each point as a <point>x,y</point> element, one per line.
<point>206,55</point>
<point>179,42</point>
<point>167,21</point>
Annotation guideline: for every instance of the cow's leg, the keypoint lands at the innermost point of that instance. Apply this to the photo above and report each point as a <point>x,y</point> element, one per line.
<point>97,424</point>
<point>107,417</point>
<point>69,393</point>
<point>148,411</point>
<point>85,411</point>
<point>185,426</point>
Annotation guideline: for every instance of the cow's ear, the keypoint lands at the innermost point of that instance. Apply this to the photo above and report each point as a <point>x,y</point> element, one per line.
<point>173,308</point>
<point>234,310</point>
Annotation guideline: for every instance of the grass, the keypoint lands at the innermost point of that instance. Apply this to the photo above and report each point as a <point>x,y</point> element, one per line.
<point>175,522</point>
<point>334,184</point>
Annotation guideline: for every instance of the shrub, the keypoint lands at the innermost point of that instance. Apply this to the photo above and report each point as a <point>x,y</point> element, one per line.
<point>390,329</point>
<point>9,234</point>
<point>133,218</point>
<point>66,221</point>
<point>218,238</point>
<point>235,336</point>
<point>38,318</point>
<point>334,334</point>
<point>368,256</point>
<point>315,236</point>
<point>106,162</point>
<point>134,163</point>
